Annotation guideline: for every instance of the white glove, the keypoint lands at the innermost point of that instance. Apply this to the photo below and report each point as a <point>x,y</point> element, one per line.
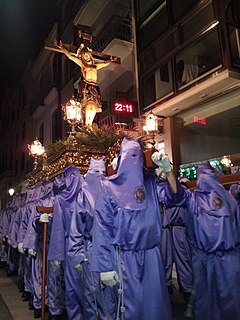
<point>20,248</point>
<point>109,278</point>
<point>44,217</point>
<point>162,161</point>
<point>56,263</point>
<point>78,266</point>
<point>32,252</point>
<point>114,163</point>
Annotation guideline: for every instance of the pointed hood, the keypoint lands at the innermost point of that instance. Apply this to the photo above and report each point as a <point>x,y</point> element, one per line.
<point>127,184</point>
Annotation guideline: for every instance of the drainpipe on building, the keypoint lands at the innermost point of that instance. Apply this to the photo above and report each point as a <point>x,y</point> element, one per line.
<point>135,59</point>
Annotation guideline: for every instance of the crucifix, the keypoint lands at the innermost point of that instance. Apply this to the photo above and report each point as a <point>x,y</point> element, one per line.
<point>89,62</point>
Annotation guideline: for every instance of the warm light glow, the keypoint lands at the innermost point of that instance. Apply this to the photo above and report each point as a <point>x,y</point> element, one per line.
<point>73,111</point>
<point>11,191</point>
<point>90,112</point>
<point>36,148</point>
<point>151,123</point>
<point>226,161</point>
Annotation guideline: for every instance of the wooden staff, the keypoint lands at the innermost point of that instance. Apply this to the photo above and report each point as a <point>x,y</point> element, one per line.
<point>44,255</point>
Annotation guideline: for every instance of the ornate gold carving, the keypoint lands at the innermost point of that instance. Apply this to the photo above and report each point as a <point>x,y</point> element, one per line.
<point>78,150</point>
<point>67,156</point>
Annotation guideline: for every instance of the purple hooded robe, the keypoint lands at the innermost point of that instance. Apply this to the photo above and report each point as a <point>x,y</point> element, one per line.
<point>65,205</point>
<point>126,237</point>
<point>80,244</point>
<point>214,234</point>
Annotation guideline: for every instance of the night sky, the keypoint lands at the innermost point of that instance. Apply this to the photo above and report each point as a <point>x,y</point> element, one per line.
<point>24,25</point>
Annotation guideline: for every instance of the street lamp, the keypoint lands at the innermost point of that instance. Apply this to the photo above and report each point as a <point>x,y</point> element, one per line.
<point>151,128</point>
<point>36,149</point>
<point>151,124</point>
<point>73,114</point>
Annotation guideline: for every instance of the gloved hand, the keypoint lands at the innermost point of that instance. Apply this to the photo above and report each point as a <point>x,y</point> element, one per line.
<point>109,278</point>
<point>44,217</point>
<point>56,263</point>
<point>20,248</point>
<point>32,252</point>
<point>114,163</point>
<point>162,161</point>
<point>78,266</point>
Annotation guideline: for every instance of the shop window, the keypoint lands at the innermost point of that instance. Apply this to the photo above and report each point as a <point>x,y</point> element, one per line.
<point>216,136</point>
<point>199,59</point>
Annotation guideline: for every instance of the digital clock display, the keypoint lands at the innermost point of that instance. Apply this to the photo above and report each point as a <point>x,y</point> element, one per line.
<point>123,107</point>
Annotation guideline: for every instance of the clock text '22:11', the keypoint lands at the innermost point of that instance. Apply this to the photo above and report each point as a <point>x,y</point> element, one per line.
<point>120,107</point>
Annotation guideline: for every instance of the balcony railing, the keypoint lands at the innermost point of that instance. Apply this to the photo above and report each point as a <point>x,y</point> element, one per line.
<point>116,27</point>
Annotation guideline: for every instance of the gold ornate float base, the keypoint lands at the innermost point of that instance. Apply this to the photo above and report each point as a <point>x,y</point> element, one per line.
<point>69,155</point>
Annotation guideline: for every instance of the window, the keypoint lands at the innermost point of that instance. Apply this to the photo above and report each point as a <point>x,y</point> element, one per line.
<point>234,39</point>
<point>23,130</point>
<point>16,167</point>
<point>16,142</point>
<point>148,90</point>
<point>218,135</point>
<point>163,80</point>
<point>54,70</point>
<point>153,26</point>
<point>147,60</point>
<point>55,136</point>
<point>157,85</point>
<point>10,162</point>
<point>198,23</point>
<point>199,59</point>
<point>68,70</point>
<point>23,161</point>
<point>144,7</point>
<point>41,133</point>
<point>180,7</point>
<point>170,41</point>
<point>233,12</point>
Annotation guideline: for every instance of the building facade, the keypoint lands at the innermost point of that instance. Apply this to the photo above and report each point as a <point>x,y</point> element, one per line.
<point>189,66</point>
